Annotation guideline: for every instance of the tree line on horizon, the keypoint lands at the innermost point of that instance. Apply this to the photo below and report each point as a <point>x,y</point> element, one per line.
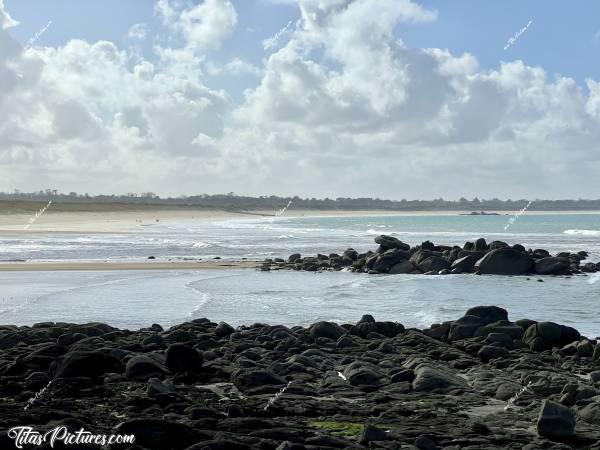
<point>232,201</point>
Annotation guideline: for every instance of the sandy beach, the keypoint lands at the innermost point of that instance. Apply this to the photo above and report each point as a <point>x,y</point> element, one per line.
<point>126,221</point>
<point>26,266</point>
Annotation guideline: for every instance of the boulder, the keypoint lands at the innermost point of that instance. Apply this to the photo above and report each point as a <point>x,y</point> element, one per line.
<point>552,265</point>
<point>488,352</point>
<point>328,330</point>
<point>224,329</point>
<point>370,433</point>
<point>504,261</point>
<point>464,264</point>
<point>427,245</point>
<point>546,335</point>
<point>590,413</point>
<point>428,378</point>
<point>389,242</point>
<point>488,314</point>
<point>465,327</point>
<point>481,245</point>
<point>143,367</point>
<point>294,257</point>
<point>360,373</point>
<point>245,380</point>
<point>433,263</point>
<point>497,244</point>
<point>402,267</point>
<point>421,255</point>
<point>512,330</point>
<point>85,364</point>
<point>389,259</point>
<point>555,421</point>
<point>183,358</point>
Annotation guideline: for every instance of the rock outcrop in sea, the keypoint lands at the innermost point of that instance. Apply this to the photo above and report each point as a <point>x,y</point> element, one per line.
<point>396,257</point>
<point>478,382</point>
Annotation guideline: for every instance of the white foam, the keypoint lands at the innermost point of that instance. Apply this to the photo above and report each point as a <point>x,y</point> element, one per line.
<point>583,232</point>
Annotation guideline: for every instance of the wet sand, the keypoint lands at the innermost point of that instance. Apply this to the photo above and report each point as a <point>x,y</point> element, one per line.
<point>110,266</point>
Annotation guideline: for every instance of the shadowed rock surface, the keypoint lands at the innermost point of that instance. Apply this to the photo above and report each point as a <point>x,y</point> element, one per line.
<point>479,382</point>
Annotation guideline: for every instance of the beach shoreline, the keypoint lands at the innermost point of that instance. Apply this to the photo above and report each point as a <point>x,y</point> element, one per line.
<point>131,221</point>
<point>26,266</point>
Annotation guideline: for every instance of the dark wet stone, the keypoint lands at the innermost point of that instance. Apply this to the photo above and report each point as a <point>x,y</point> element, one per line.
<point>182,358</point>
<point>555,421</point>
<point>85,364</point>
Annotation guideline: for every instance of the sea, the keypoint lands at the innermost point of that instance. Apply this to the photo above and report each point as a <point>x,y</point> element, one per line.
<point>136,299</point>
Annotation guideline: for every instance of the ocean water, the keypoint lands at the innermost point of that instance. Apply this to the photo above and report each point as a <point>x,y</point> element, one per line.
<point>134,299</point>
<point>279,237</point>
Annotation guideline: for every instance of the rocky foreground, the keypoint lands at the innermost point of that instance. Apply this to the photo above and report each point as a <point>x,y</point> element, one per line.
<point>480,382</point>
<point>396,257</point>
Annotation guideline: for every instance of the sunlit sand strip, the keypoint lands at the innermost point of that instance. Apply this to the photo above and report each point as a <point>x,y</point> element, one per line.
<point>109,266</point>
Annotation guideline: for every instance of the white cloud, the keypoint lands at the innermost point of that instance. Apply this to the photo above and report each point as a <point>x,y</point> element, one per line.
<point>5,20</point>
<point>138,31</point>
<point>203,26</point>
<point>341,107</point>
<point>236,67</point>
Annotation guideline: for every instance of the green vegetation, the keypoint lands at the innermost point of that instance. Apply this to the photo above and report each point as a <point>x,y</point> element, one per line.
<point>348,430</point>
<point>232,202</point>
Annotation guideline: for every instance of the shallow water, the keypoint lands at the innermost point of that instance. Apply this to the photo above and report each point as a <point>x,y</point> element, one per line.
<point>135,299</point>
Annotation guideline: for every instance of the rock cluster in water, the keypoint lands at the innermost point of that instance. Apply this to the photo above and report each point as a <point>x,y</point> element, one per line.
<point>396,257</point>
<point>479,382</point>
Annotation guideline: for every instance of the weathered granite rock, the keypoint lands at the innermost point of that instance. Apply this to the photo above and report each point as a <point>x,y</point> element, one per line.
<point>504,261</point>
<point>555,421</point>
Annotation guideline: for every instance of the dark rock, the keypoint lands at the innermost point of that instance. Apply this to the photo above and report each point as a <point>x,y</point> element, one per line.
<point>428,245</point>
<point>555,421</point>
<point>246,380</point>
<point>159,434</point>
<point>512,330</point>
<point>362,374</point>
<point>465,327</point>
<point>545,335</point>
<point>497,244</point>
<point>464,264</point>
<point>182,358</point>
<point>328,330</point>
<point>552,265</point>
<point>389,242</point>
<point>590,413</point>
<point>389,259</point>
<point>428,378</point>
<point>143,367</point>
<point>425,443</point>
<point>434,264</point>
<point>488,314</point>
<point>504,261</point>
<point>370,433</point>
<point>402,267</point>
<point>85,364</point>
<point>224,329</point>
<point>295,257</point>
<point>488,352</point>
<point>481,245</point>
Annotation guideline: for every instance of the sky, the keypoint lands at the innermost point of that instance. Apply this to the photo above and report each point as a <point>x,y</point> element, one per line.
<point>316,98</point>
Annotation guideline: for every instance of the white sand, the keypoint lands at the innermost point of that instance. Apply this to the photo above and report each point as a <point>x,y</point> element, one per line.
<point>130,221</point>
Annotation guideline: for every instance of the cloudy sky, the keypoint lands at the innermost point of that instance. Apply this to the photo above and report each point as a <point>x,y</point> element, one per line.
<point>375,98</point>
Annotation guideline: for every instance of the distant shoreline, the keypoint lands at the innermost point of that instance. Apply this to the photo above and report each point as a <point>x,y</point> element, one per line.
<point>129,221</point>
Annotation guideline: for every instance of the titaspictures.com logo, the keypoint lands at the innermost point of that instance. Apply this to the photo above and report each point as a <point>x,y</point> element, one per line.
<point>25,436</point>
